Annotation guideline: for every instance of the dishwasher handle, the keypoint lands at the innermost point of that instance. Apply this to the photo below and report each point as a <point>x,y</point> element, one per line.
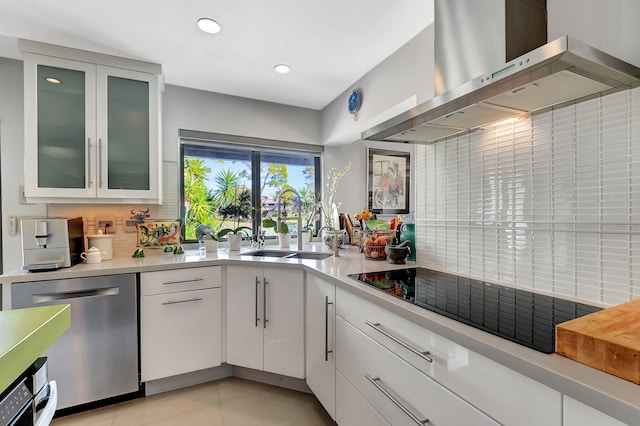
<point>63,295</point>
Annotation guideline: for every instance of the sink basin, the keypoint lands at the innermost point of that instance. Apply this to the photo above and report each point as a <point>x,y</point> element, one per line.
<point>312,256</point>
<point>288,254</point>
<point>269,253</point>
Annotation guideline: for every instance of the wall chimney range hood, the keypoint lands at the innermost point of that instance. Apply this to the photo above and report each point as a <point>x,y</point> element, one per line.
<point>555,74</point>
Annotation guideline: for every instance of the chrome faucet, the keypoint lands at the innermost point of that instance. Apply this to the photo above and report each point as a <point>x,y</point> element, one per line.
<point>299,215</point>
<point>336,245</point>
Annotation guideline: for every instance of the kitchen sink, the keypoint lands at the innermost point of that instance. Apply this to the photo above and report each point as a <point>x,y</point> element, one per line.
<point>311,256</point>
<point>288,254</point>
<point>269,253</point>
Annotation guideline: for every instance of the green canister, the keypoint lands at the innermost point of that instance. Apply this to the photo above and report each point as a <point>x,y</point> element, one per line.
<point>408,233</point>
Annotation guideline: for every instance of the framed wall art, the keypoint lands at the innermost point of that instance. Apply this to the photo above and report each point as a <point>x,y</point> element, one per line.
<point>388,185</point>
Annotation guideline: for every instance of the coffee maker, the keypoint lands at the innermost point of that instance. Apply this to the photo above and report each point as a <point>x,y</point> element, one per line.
<point>51,243</point>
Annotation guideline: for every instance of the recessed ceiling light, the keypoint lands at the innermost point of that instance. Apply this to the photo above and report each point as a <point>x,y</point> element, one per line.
<point>208,25</point>
<point>53,80</point>
<point>282,69</point>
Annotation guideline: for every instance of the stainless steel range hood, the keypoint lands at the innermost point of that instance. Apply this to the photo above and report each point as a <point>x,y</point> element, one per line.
<point>557,73</point>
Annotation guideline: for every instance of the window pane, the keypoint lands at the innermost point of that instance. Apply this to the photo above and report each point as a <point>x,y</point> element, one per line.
<point>282,171</point>
<point>217,188</point>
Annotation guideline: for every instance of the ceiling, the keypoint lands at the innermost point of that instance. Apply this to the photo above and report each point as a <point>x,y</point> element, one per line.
<point>330,44</point>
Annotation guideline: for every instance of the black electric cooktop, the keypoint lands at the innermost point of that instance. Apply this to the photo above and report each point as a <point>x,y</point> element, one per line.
<point>518,315</point>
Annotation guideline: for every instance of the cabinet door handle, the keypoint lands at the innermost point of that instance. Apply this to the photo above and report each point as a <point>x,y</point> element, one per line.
<point>257,284</point>
<point>183,281</point>
<point>375,381</point>
<point>264,302</point>
<point>326,328</point>
<point>100,161</point>
<point>89,162</point>
<point>422,354</point>
<point>171,302</point>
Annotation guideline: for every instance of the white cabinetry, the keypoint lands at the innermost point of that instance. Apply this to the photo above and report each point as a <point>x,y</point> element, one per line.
<point>180,321</point>
<point>91,132</point>
<point>320,341</point>
<point>489,386</point>
<point>265,319</point>
<point>352,409</point>
<point>399,392</point>
<point>576,413</point>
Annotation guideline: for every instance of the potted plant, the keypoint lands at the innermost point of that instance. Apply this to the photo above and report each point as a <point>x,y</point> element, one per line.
<point>238,209</point>
<point>204,230</point>
<point>284,237</point>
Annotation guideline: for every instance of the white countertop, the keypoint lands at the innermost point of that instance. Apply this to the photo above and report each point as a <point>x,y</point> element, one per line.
<point>609,394</point>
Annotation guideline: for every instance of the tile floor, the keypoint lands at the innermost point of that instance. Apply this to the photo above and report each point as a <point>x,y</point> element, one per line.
<point>227,402</point>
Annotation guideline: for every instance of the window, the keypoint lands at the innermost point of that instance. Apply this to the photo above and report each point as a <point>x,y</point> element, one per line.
<point>232,182</point>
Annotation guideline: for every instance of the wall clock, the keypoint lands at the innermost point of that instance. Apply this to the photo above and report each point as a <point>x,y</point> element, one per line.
<point>354,103</point>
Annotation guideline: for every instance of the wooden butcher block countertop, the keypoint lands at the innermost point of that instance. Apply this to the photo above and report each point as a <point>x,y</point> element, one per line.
<point>608,340</point>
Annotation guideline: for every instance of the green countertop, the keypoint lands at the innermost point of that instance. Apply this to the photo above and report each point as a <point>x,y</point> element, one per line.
<point>25,334</point>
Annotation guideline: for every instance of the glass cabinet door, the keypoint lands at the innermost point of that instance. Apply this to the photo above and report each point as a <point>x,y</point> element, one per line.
<point>59,127</point>
<point>127,133</point>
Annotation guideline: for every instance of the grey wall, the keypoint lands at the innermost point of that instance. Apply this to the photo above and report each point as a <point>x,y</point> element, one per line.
<point>182,109</point>
<point>12,158</point>
<point>192,109</point>
<point>611,26</point>
<point>402,81</point>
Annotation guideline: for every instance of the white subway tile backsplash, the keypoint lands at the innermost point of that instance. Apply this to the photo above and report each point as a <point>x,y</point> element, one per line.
<point>550,202</point>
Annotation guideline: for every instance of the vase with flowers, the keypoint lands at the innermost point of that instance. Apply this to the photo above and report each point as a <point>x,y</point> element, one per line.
<point>329,206</point>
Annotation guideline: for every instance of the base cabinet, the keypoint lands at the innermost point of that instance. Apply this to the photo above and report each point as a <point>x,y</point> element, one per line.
<point>320,342</point>
<point>575,413</point>
<point>399,392</point>
<point>265,319</point>
<point>352,409</point>
<point>180,322</point>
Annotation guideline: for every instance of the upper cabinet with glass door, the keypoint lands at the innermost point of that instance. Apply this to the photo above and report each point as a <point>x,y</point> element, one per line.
<point>91,132</point>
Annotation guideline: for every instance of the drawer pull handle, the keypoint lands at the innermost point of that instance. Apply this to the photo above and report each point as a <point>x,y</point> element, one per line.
<point>422,354</point>
<point>326,328</point>
<point>171,302</point>
<point>375,381</point>
<point>183,281</point>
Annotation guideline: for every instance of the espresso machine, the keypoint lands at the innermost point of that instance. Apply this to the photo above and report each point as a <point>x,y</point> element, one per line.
<point>51,243</point>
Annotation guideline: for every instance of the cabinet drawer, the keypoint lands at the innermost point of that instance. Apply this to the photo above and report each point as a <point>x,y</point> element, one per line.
<point>162,282</point>
<point>401,394</point>
<point>352,409</point>
<point>493,388</point>
<point>180,333</point>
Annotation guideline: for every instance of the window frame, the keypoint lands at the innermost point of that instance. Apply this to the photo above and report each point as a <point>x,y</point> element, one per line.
<point>255,146</point>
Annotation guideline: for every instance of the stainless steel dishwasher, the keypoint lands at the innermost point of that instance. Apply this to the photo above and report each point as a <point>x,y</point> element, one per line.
<point>97,357</point>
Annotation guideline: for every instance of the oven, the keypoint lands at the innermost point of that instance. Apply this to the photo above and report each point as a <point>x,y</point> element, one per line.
<point>30,400</point>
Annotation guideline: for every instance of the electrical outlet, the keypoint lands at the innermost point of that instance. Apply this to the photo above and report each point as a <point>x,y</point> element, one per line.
<point>106,226</point>
<point>130,225</point>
